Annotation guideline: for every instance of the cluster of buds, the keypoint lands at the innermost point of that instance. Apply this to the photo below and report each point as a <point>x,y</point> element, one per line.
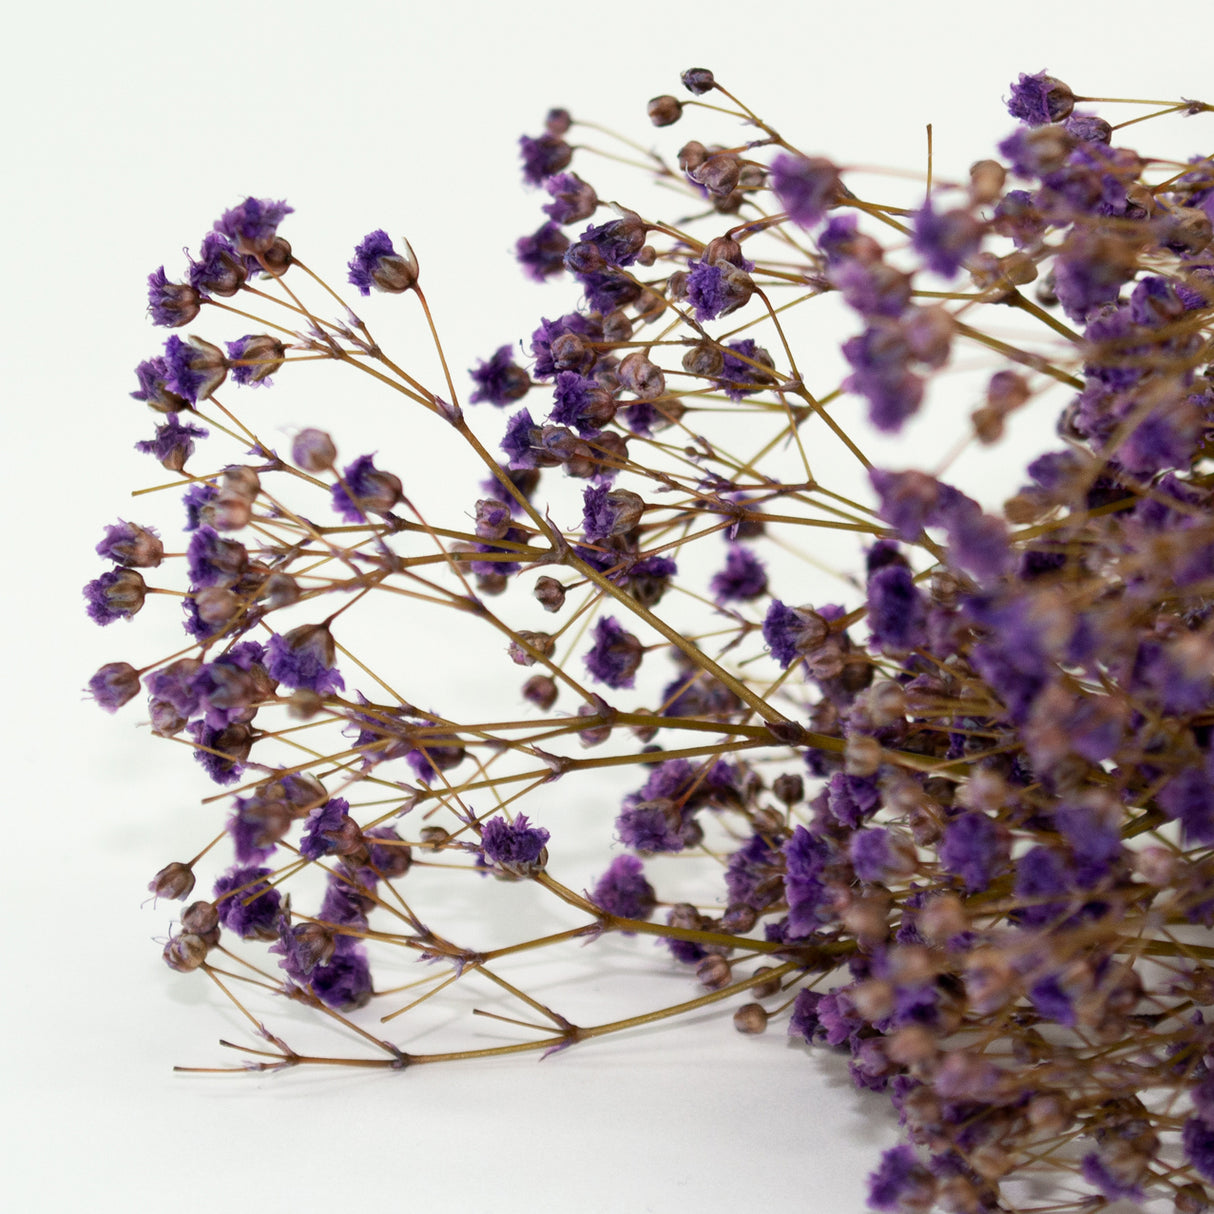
<point>960,810</point>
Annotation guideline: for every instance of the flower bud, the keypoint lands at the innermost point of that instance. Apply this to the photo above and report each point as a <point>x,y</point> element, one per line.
<point>750,1018</point>
<point>174,881</point>
<point>523,650</point>
<point>131,545</point>
<point>541,691</point>
<point>185,952</point>
<point>313,451</point>
<point>789,788</point>
<point>200,918</point>
<point>278,590</point>
<point>665,110</point>
<point>550,594</point>
<point>698,80</point>
<point>255,358</point>
<point>768,988</point>
<point>718,174</point>
<point>114,685</point>
<point>986,181</point>
<point>714,972</point>
<point>704,360</point>
<point>692,155</point>
<point>641,377</point>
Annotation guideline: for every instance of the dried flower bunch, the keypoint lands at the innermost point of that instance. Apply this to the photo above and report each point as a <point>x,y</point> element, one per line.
<point>956,824</point>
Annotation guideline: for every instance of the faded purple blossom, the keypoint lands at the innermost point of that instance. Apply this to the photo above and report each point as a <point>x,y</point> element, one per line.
<point>615,655</point>
<point>623,890</point>
<point>805,186</point>
<point>516,847</point>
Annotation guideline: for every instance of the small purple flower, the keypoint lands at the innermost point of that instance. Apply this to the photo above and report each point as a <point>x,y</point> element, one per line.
<point>1040,99</point>
<point>247,905</point>
<point>572,198</point>
<point>521,440</point>
<point>173,444</point>
<point>499,380</point>
<point>581,402</point>
<point>974,848</point>
<point>377,264</point>
<point>946,240</point>
<point>213,560</point>
<point>739,376</point>
<point>303,659</point>
<point>805,186</point>
<point>716,289</point>
<point>194,368</point>
<point>543,156</point>
<point>129,544</point>
<point>787,629</point>
<point>542,254</point>
<point>615,656</point>
<point>171,304</point>
<point>1198,1140</point>
<point>153,375</point>
<point>220,270</point>
<point>623,890</point>
<point>896,609</point>
<point>253,225</point>
<point>115,595</point>
<point>901,1182</point>
<point>344,983</point>
<point>365,489</point>
<point>113,685</point>
<point>324,829</point>
<point>743,578</point>
<point>515,847</point>
<point>609,512</point>
<point>254,358</point>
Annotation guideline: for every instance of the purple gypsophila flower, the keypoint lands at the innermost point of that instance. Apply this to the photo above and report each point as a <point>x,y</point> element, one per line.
<point>974,848</point>
<point>247,905</point>
<point>542,254</point>
<point>516,847</point>
<point>194,368</point>
<point>572,198</point>
<point>129,544</point>
<point>743,577</point>
<point>623,890</point>
<point>303,659</point>
<point>1040,99</point>
<point>616,654</point>
<point>153,374</point>
<point>114,685</point>
<point>717,288</point>
<point>896,608</point>
<point>253,225</point>
<point>324,829</point>
<point>365,489</point>
<point>499,380</point>
<point>171,304</point>
<point>901,1182</point>
<point>521,440</point>
<point>377,264</point>
<point>543,156</point>
<point>945,239</point>
<point>805,186</point>
<point>116,595</point>
<point>254,358</point>
<point>219,270</point>
<point>344,982</point>
<point>173,444</point>
<point>738,376</point>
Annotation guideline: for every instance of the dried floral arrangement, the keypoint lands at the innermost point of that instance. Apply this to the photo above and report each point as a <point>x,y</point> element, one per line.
<point>956,825</point>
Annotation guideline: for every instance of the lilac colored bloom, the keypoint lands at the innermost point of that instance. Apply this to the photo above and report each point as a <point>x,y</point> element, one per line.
<point>153,375</point>
<point>542,254</point>
<point>498,380</point>
<point>752,876</point>
<point>325,826</point>
<point>872,288</point>
<point>547,337</point>
<point>517,847</point>
<point>805,186</point>
<point>349,898</point>
<point>196,500</point>
<point>213,560</point>
<point>785,630</point>
<point>543,156</point>
<point>974,848</point>
<point>364,489</point>
<point>221,752</point>
<point>521,440</point>
<point>113,685</point>
<point>129,544</point>
<point>1198,1140</point>
<point>1189,799</point>
<point>743,578</point>
<point>880,357</point>
<point>717,288</point>
<point>1052,1002</point>
<point>581,402</point>
<point>220,270</point>
<point>253,225</point>
<point>171,304</point>
<point>247,905</point>
<point>1088,128</point>
<point>303,659</point>
<point>376,263</point>
<point>344,983</point>
<point>806,857</point>
<point>946,240</point>
<point>254,358</point>
<point>804,1021</point>
<point>738,376</point>
<point>173,444</point>
<point>901,1182</point>
<point>1086,277</point>
<point>623,890</point>
<point>616,244</point>
<point>1097,1173</point>
<point>609,512</point>
<point>1042,874</point>
<point>606,290</point>
<point>302,948</point>
<point>115,595</point>
<point>1040,99</point>
<point>896,609</point>
<point>572,198</point>
<point>653,828</point>
<point>194,368</point>
<point>616,654</point>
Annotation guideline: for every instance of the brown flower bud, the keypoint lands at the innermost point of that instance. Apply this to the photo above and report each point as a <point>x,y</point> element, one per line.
<point>767,989</point>
<point>174,881</point>
<point>692,155</point>
<point>750,1018</point>
<point>313,450</point>
<point>550,594</point>
<point>641,377</point>
<point>714,972</point>
<point>260,356</point>
<point>541,691</point>
<point>789,788</point>
<point>665,110</point>
<point>527,645</point>
<point>986,181</point>
<point>185,952</point>
<point>200,918</point>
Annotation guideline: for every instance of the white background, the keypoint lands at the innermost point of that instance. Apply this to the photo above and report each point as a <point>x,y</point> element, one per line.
<point>128,128</point>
